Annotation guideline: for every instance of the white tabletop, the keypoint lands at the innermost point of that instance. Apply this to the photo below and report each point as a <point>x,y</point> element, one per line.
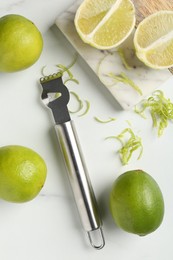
<point>48,227</point>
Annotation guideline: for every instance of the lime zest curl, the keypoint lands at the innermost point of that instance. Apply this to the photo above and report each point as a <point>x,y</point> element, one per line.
<point>80,104</point>
<point>66,69</point>
<point>160,108</point>
<point>123,59</point>
<point>62,69</point>
<point>110,119</point>
<point>129,146</point>
<point>122,77</point>
<point>42,71</point>
<point>87,108</point>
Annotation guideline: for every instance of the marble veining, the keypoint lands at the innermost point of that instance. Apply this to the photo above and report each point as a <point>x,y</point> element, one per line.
<point>9,7</point>
<point>105,62</point>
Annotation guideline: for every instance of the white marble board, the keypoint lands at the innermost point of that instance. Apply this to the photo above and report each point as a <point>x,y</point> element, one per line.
<point>105,62</point>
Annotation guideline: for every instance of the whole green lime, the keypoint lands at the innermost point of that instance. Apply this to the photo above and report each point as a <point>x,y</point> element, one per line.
<point>22,173</point>
<point>136,203</point>
<point>21,43</point>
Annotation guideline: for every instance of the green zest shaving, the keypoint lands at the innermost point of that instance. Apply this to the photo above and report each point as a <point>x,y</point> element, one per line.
<point>87,108</point>
<point>128,145</point>
<point>161,110</point>
<point>42,71</point>
<point>123,59</point>
<point>81,104</point>
<point>122,77</point>
<point>66,69</point>
<point>110,119</point>
<point>61,70</point>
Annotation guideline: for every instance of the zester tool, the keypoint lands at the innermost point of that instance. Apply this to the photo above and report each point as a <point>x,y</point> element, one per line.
<point>56,96</point>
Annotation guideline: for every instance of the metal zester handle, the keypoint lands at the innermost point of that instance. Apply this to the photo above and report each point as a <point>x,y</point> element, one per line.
<point>80,182</point>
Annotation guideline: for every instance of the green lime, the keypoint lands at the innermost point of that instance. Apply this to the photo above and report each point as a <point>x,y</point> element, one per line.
<point>136,203</point>
<point>21,43</point>
<point>22,173</point>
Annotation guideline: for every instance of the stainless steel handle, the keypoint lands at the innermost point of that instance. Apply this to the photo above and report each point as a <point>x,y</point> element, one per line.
<point>80,182</point>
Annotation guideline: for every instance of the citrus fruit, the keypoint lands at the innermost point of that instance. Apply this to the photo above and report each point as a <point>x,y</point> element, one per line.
<point>22,173</point>
<point>21,43</point>
<point>105,24</point>
<point>136,203</point>
<point>153,40</point>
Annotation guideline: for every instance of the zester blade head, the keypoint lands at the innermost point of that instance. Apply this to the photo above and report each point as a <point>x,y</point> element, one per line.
<point>56,96</point>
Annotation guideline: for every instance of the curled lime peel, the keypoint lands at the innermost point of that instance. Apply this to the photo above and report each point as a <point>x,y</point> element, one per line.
<point>80,102</point>
<point>80,105</point>
<point>160,108</point>
<point>110,119</point>
<point>42,71</point>
<point>129,145</point>
<point>122,77</point>
<point>62,69</point>
<point>51,76</point>
<point>87,108</point>
<point>120,51</point>
<point>74,80</point>
<point>66,69</point>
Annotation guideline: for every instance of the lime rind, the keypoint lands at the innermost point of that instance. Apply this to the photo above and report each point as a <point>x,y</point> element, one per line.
<point>136,203</point>
<point>21,43</point>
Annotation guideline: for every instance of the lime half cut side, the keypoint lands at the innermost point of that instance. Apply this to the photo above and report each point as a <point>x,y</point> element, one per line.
<point>105,24</point>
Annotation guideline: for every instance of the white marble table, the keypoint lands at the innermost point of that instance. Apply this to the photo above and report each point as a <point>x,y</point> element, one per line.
<point>48,228</point>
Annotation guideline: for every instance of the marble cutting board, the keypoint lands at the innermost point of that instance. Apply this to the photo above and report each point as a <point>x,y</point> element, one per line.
<point>105,62</point>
